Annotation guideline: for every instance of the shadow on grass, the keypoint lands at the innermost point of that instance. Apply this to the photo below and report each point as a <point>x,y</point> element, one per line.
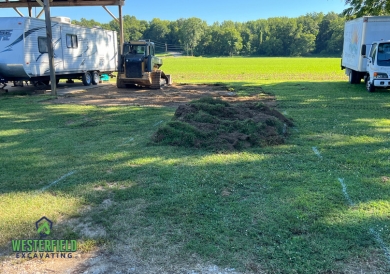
<point>275,209</point>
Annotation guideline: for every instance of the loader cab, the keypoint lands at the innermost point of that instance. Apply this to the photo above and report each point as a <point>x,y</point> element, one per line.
<point>139,48</point>
<point>138,65</point>
<point>138,58</point>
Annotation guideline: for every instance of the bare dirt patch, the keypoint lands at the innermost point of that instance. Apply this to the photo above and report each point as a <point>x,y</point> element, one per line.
<point>170,96</point>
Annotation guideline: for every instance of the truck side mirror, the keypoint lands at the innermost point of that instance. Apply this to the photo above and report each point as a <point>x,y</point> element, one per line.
<point>363,52</point>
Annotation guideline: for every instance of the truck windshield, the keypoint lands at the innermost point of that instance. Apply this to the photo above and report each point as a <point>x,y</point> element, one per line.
<point>384,54</point>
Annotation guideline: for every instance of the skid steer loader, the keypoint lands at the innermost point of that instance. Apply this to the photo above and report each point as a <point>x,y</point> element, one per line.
<point>138,66</point>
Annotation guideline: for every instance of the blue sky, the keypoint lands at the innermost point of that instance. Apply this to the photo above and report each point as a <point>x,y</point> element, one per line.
<point>208,10</point>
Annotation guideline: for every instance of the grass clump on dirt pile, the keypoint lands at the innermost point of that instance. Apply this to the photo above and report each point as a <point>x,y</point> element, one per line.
<point>217,125</point>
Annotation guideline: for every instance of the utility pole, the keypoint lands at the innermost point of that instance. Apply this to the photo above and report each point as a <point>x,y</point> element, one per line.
<point>49,38</point>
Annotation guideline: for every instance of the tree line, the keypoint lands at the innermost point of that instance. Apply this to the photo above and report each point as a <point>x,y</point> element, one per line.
<point>314,33</point>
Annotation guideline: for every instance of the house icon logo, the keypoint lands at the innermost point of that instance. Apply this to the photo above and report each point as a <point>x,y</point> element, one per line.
<point>44,226</point>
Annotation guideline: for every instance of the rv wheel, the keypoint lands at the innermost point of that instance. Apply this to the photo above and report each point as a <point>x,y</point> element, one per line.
<point>95,78</point>
<point>87,79</point>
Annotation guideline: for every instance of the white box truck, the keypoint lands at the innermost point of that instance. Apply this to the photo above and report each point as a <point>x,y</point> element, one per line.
<point>366,51</point>
<point>79,52</point>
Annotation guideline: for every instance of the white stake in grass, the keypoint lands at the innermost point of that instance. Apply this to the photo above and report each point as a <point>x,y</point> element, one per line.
<point>56,181</point>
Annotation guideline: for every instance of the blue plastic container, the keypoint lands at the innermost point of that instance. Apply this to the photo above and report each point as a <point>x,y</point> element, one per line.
<point>104,77</point>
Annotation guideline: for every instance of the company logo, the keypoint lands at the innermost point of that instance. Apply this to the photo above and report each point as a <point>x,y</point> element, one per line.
<point>44,226</point>
<point>353,46</point>
<point>44,248</point>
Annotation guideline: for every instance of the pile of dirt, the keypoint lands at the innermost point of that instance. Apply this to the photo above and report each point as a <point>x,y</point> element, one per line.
<point>218,125</point>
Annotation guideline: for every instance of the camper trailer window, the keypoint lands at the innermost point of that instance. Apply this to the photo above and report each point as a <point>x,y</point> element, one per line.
<point>42,44</point>
<point>71,41</point>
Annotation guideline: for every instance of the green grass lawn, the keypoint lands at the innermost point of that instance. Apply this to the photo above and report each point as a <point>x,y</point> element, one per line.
<point>275,209</point>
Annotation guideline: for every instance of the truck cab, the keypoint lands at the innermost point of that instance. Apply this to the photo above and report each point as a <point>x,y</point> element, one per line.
<point>378,66</point>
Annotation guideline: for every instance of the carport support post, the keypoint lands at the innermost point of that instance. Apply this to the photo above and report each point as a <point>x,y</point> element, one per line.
<point>49,38</point>
<point>121,36</point>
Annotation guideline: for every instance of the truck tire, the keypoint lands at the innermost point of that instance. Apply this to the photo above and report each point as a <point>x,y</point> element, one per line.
<point>354,77</point>
<point>95,78</point>
<point>370,87</point>
<point>87,78</point>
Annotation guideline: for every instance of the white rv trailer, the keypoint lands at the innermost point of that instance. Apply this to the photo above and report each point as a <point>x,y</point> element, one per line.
<point>79,52</point>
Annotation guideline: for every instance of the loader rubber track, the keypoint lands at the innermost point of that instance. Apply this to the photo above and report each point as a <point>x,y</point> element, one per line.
<point>156,79</point>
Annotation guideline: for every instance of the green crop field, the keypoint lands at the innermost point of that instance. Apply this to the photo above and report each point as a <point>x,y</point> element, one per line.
<point>320,203</point>
<point>253,70</point>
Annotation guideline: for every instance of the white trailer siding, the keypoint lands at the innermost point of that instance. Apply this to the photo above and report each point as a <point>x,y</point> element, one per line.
<point>88,49</point>
<point>77,48</point>
<point>36,62</point>
<point>12,48</point>
<point>23,53</point>
<point>93,50</point>
<point>107,58</point>
<point>353,34</point>
<point>362,31</point>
